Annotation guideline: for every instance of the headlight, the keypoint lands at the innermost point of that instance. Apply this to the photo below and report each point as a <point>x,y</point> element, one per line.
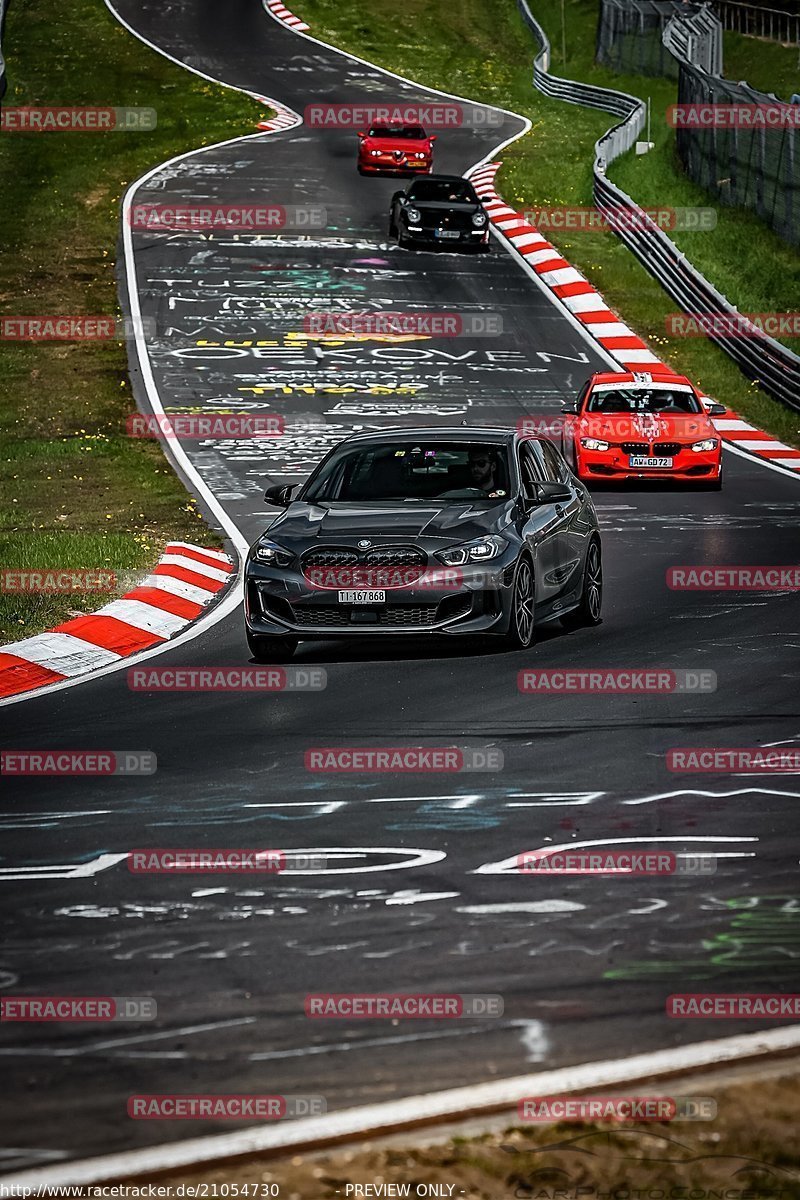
<point>594,444</point>
<point>413,215</point>
<point>272,554</point>
<point>480,551</point>
<point>706,444</point>
<point>479,219</point>
<point>375,153</point>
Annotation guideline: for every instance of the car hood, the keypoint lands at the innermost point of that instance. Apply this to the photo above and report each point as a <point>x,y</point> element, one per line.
<point>617,427</point>
<point>346,524</point>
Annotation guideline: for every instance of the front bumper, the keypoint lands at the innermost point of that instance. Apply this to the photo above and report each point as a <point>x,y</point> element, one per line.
<point>389,166</point>
<point>427,235</point>
<point>282,602</point>
<point>687,466</point>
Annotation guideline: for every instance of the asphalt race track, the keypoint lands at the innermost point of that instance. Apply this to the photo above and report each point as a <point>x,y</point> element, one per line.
<point>584,964</point>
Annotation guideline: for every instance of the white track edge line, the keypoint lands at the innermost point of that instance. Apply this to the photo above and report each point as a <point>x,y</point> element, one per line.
<point>455,1103</point>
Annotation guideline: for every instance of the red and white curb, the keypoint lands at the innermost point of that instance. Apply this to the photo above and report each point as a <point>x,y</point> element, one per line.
<point>281,13</point>
<point>182,585</point>
<point>285,118</point>
<point>587,305</point>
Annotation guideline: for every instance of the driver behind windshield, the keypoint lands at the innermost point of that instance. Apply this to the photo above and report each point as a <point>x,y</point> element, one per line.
<point>483,471</point>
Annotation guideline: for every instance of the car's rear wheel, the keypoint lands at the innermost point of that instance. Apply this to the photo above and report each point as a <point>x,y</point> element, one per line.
<point>265,648</point>
<point>523,606</point>
<point>591,602</point>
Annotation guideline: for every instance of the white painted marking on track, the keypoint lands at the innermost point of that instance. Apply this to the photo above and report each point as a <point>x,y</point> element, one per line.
<point>509,866</point>
<point>67,871</point>
<point>414,896</point>
<point>751,791</point>
<point>529,906</point>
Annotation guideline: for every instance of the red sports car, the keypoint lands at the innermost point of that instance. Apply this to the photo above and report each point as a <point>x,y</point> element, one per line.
<point>638,426</point>
<point>395,150</point>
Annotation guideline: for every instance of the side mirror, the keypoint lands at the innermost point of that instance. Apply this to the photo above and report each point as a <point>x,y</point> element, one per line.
<point>399,197</point>
<point>362,133</point>
<point>280,495</point>
<point>432,138</point>
<point>569,406</point>
<point>549,493</point>
<point>713,409</point>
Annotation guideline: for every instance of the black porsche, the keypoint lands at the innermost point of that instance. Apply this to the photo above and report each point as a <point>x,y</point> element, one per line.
<point>426,531</point>
<point>439,210</point>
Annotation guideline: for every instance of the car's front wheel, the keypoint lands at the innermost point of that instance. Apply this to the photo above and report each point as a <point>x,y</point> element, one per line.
<point>265,648</point>
<point>523,605</point>
<point>591,602</point>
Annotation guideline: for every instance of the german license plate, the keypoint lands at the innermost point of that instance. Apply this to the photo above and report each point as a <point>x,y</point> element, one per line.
<point>447,233</point>
<point>641,460</point>
<point>362,597</point>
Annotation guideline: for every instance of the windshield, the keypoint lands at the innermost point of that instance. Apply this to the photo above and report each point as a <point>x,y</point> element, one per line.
<point>397,131</point>
<point>631,400</point>
<point>437,471</point>
<point>456,190</point>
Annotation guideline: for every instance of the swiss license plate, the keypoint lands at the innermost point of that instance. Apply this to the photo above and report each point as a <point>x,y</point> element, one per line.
<point>641,460</point>
<point>447,233</point>
<point>361,597</point>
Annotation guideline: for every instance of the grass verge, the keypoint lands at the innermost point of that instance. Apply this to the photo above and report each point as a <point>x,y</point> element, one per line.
<point>482,49</point>
<point>76,491</point>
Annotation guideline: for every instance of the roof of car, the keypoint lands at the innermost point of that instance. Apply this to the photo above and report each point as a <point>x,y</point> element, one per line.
<point>452,433</point>
<point>662,375</point>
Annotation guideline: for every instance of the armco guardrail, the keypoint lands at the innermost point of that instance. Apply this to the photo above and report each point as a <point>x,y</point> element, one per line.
<point>3,81</point>
<point>774,367</point>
